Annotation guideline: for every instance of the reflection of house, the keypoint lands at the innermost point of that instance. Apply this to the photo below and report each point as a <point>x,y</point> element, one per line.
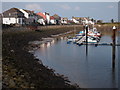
<point>13,16</point>
<point>57,18</point>
<point>52,20</point>
<point>30,16</point>
<point>64,20</point>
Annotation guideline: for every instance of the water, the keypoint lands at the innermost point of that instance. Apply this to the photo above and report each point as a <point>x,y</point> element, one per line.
<point>91,69</point>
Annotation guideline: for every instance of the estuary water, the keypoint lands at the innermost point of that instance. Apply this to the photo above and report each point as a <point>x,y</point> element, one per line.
<point>89,67</point>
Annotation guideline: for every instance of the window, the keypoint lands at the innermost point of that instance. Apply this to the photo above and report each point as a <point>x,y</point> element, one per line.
<point>19,20</point>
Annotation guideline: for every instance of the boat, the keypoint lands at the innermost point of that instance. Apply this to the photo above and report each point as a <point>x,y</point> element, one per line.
<point>93,36</point>
<point>74,39</point>
<point>92,40</point>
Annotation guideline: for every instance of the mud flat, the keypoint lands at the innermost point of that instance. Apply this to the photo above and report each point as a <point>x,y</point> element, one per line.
<point>21,69</point>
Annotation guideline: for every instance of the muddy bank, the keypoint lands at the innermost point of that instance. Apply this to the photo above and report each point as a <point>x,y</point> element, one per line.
<point>21,69</point>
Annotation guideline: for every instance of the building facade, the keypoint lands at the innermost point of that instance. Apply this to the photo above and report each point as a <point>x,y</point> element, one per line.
<point>13,16</point>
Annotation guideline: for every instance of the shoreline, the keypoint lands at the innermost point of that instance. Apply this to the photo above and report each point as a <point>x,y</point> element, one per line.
<point>21,69</point>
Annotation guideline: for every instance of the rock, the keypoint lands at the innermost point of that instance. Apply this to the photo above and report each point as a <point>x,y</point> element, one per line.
<point>11,50</point>
<point>11,83</point>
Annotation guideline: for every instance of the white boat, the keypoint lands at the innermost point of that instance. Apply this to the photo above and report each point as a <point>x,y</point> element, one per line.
<point>91,40</point>
<point>80,41</point>
<point>74,39</point>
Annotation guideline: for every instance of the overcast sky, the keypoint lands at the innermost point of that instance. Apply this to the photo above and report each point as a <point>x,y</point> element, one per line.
<point>97,10</point>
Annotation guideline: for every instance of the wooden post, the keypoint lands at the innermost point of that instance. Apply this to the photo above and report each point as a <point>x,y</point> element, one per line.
<point>86,28</point>
<point>113,48</point>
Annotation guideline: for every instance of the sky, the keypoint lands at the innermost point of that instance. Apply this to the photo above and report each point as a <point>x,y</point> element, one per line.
<point>98,10</point>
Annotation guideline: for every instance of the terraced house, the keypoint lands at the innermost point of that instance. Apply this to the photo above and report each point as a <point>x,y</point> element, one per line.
<point>13,16</point>
<point>82,20</point>
<point>64,20</point>
<point>57,19</point>
<point>30,16</point>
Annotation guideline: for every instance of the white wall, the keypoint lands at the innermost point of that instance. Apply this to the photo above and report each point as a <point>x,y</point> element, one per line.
<point>63,22</point>
<point>12,21</point>
<point>52,21</point>
<point>48,19</point>
<point>41,21</point>
<point>75,21</point>
<point>25,13</point>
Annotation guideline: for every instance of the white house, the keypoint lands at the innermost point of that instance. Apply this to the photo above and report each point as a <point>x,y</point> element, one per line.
<point>64,20</point>
<point>13,16</point>
<point>82,20</point>
<point>30,16</point>
<point>52,20</point>
<point>75,21</point>
<point>41,18</point>
<point>47,17</point>
<point>26,14</point>
<point>87,21</point>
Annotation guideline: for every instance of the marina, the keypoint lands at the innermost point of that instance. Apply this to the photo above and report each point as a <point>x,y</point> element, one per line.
<point>86,65</point>
<point>66,45</point>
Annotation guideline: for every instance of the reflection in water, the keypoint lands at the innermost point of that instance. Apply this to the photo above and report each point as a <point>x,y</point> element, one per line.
<point>91,70</point>
<point>86,50</point>
<point>47,44</point>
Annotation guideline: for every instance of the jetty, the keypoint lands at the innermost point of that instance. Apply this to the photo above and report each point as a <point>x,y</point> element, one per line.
<point>100,44</point>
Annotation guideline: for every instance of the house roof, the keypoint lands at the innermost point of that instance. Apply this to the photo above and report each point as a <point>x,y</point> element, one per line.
<point>51,17</point>
<point>65,18</point>
<point>56,17</point>
<point>77,18</point>
<point>81,18</point>
<point>12,9</point>
<point>13,12</point>
<point>28,11</point>
<point>42,15</point>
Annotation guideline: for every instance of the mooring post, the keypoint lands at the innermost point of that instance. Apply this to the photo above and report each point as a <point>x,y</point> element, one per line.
<point>86,29</point>
<point>113,47</point>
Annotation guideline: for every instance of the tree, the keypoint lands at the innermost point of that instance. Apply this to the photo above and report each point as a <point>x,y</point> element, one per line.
<point>112,21</point>
<point>92,20</point>
<point>99,21</point>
